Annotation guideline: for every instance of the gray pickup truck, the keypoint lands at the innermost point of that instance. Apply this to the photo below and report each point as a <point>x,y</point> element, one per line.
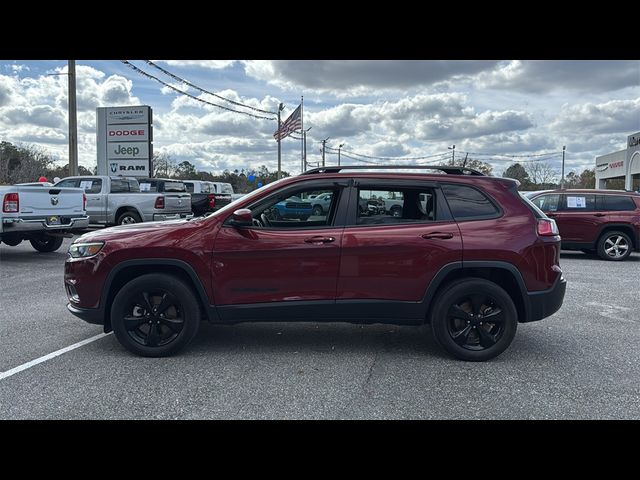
<point>117,200</point>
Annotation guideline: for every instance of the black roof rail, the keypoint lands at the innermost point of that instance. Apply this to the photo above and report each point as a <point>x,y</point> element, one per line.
<point>450,170</point>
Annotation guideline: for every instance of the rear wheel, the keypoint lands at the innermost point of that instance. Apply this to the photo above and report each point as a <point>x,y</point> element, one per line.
<point>614,246</point>
<point>474,319</point>
<point>155,315</point>
<point>317,210</point>
<point>128,218</point>
<point>46,243</point>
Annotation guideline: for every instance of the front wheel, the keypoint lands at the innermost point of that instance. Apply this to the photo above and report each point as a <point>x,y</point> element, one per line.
<point>155,315</point>
<point>46,243</point>
<point>474,319</point>
<point>614,246</point>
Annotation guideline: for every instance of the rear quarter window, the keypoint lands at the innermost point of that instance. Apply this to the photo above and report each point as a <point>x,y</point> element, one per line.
<point>619,203</point>
<point>468,203</point>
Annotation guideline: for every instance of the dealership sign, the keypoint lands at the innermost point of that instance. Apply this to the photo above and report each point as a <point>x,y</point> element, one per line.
<point>124,141</point>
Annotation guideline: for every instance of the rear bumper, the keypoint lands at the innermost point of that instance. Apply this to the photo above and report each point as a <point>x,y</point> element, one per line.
<point>90,315</point>
<point>40,224</point>
<point>547,302</point>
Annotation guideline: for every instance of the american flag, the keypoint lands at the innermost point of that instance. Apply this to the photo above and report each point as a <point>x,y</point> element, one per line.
<point>290,125</point>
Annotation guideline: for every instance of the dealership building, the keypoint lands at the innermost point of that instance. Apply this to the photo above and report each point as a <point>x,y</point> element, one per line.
<point>622,165</point>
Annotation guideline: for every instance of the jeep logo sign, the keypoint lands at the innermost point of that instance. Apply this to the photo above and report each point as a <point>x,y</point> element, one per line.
<point>129,151</point>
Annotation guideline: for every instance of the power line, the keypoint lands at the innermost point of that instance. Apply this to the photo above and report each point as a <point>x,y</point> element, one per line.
<point>388,158</point>
<point>182,80</point>
<point>145,74</point>
<point>514,156</point>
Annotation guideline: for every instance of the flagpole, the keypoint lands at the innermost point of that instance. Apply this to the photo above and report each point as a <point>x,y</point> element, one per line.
<point>302,130</point>
<point>280,107</point>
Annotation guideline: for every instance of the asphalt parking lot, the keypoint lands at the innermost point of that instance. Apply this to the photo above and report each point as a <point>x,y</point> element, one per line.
<point>581,363</point>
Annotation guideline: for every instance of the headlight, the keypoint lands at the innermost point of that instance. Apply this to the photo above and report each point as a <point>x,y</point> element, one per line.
<point>85,250</point>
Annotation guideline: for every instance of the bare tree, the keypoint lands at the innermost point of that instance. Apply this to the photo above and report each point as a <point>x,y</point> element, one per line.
<point>542,174</point>
<point>164,165</point>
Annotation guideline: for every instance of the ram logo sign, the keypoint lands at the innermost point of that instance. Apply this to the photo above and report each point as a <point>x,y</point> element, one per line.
<point>113,167</point>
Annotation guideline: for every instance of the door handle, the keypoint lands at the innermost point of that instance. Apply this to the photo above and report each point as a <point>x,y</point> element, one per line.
<point>599,214</point>
<point>440,235</point>
<point>319,240</point>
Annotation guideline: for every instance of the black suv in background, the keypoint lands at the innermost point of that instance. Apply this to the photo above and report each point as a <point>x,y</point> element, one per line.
<point>606,222</point>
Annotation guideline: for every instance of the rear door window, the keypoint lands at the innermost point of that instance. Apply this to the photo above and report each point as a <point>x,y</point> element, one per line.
<point>579,203</point>
<point>189,186</point>
<point>468,203</point>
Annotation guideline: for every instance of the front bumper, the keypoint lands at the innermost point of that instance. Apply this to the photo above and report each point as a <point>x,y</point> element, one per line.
<point>161,217</point>
<point>547,302</point>
<point>39,224</point>
<point>90,315</point>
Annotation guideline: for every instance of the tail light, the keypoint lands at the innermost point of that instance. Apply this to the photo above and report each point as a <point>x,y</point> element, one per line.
<point>84,201</point>
<point>212,200</point>
<point>159,202</point>
<point>11,203</point>
<point>547,227</point>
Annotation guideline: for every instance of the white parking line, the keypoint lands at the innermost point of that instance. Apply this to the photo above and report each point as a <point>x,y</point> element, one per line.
<point>35,362</point>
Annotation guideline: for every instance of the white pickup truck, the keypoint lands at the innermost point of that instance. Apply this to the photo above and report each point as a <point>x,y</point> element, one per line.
<point>42,214</point>
<point>118,200</point>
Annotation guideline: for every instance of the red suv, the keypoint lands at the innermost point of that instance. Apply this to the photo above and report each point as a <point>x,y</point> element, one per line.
<point>465,253</point>
<point>602,221</point>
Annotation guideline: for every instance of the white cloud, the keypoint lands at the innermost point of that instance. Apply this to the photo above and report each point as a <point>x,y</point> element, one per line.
<point>586,119</point>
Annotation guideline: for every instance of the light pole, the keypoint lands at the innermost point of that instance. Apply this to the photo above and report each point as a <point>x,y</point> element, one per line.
<point>562,179</point>
<point>339,147</point>
<point>304,155</point>
<point>280,108</point>
<point>453,154</point>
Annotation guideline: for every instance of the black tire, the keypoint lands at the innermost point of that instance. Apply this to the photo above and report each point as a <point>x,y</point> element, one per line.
<point>317,210</point>
<point>172,327</point>
<point>128,217</point>
<point>468,310</point>
<point>396,211</point>
<point>615,246</point>
<point>46,244</point>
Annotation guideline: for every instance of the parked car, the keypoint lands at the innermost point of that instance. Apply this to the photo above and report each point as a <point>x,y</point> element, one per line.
<point>293,207</point>
<point>117,200</point>
<point>204,197</point>
<point>473,262</point>
<point>606,222</point>
<point>42,214</point>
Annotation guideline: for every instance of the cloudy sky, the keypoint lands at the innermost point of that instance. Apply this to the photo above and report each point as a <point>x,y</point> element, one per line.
<point>375,108</point>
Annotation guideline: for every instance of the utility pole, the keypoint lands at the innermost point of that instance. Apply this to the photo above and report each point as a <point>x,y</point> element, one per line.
<point>73,120</point>
<point>453,154</point>
<point>562,179</point>
<point>324,143</point>
<point>339,147</point>
<point>280,107</point>
<point>465,160</point>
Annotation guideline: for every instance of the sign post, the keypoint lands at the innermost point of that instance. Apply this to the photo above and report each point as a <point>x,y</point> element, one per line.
<point>124,141</point>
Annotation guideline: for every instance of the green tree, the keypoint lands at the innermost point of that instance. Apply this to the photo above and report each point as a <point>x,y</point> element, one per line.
<point>518,172</point>
<point>588,178</point>
<point>186,171</point>
<point>472,163</point>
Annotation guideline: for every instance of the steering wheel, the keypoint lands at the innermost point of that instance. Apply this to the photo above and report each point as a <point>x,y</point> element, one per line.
<point>257,223</point>
<point>264,220</point>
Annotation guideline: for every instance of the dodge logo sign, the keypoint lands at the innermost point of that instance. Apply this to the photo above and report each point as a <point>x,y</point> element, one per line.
<point>54,200</point>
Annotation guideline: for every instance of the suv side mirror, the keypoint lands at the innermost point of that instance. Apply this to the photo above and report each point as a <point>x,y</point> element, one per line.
<point>242,218</point>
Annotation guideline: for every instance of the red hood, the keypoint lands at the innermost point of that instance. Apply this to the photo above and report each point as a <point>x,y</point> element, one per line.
<point>141,233</point>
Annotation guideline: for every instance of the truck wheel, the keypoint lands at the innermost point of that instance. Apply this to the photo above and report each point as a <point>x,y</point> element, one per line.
<point>155,315</point>
<point>11,240</point>
<point>128,218</point>
<point>614,246</point>
<point>46,243</point>
<point>474,319</point>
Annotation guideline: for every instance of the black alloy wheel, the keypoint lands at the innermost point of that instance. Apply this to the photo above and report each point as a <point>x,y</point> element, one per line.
<point>155,315</point>
<point>474,319</point>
